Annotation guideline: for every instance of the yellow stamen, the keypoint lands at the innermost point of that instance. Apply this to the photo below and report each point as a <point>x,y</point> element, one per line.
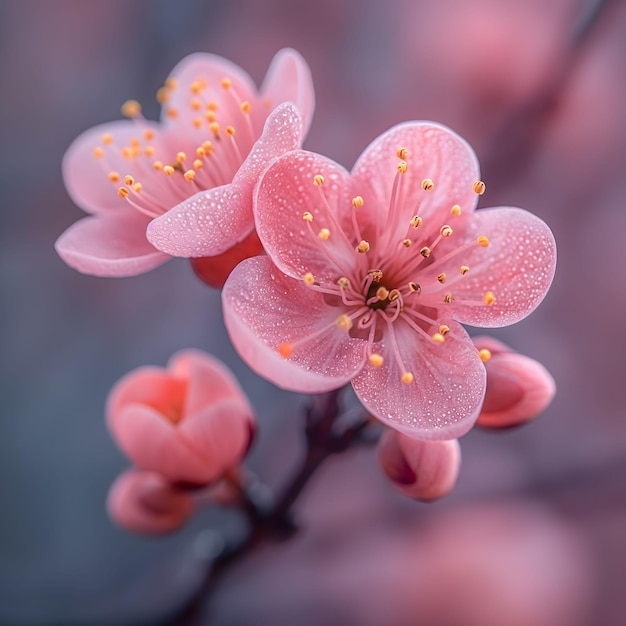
<point>308,279</point>
<point>484,355</point>
<point>157,165</point>
<point>427,184</point>
<point>455,210</point>
<point>230,131</point>
<point>171,84</point>
<point>344,322</point>
<point>357,202</point>
<point>414,288</point>
<point>114,177</point>
<point>172,112</point>
<point>129,180</point>
<point>137,187</point>
<point>181,157</point>
<point>197,164</point>
<point>442,278</point>
<point>382,293</point>
<point>376,360</point>
<point>416,221</point>
<point>214,127</point>
<point>394,294</point>
<point>285,350</point>
<point>162,95</point>
<point>211,106</point>
<point>447,298</point>
<point>107,139</point>
<point>131,108</point>
<point>324,234</point>
<point>489,298</point>
<point>483,241</point>
<point>402,167</point>
<point>479,187</point>
<point>168,169</point>
<point>318,180</point>
<point>98,152</point>
<point>445,231</point>
<point>407,243</point>
<point>226,83</point>
<point>402,153</point>
<point>122,192</point>
<point>407,378</point>
<point>464,269</point>
<point>363,247</point>
<point>246,107</point>
<point>307,217</point>
<point>189,175</point>
<point>344,283</point>
<point>208,148</point>
<point>376,275</point>
<point>444,329</point>
<point>425,252</point>
<point>149,151</point>
<point>438,338</point>
<point>148,134</point>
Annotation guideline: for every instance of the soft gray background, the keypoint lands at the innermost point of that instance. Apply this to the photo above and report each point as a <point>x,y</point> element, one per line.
<point>479,66</point>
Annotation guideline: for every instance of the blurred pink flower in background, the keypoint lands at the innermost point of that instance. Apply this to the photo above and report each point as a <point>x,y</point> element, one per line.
<point>217,133</point>
<point>190,422</point>
<point>145,502</point>
<point>368,276</point>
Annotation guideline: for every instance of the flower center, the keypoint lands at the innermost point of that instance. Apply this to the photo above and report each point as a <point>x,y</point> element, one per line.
<point>156,168</point>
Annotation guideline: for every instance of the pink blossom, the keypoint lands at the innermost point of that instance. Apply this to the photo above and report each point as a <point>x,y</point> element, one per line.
<point>369,276</point>
<point>217,133</point>
<point>518,387</point>
<point>144,502</point>
<point>190,422</point>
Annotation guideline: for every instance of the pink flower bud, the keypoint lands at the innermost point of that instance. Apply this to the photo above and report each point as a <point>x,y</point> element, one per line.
<point>144,502</point>
<point>190,422</point>
<point>425,470</point>
<point>518,387</point>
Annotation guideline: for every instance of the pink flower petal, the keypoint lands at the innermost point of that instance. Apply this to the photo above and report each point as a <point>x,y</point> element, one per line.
<point>212,221</point>
<point>86,177</point>
<point>288,79</point>
<point>518,387</point>
<point>285,192</point>
<point>434,152</point>
<point>220,433</point>
<point>445,397</point>
<point>112,244</point>
<point>207,379</point>
<point>144,502</point>
<point>517,266</point>
<point>154,444</point>
<point>263,309</point>
<point>211,69</point>
<point>426,470</point>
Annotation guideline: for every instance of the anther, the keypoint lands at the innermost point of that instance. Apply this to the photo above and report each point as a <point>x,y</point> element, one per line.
<point>211,106</point>
<point>168,170</point>
<point>416,221</point>
<point>245,107</point>
<point>425,252</point>
<point>181,157</point>
<point>445,230</point>
<point>407,378</point>
<point>427,184</point>
<point>226,83</point>
<point>171,112</point>
<point>402,153</point>
<point>464,269</point>
<point>344,283</point>
<point>324,234</point>
<point>137,187</point>
<point>382,293</point>
<point>489,298</point>
<point>442,278</point>
<point>122,192</point>
<point>479,187</point>
<point>171,84</point>
<point>214,127</point>
<point>162,95</point>
<point>230,131</point>
<point>394,294</point>
<point>198,164</point>
<point>208,148</point>
<point>363,247</point>
<point>318,180</point>
<point>157,165</point>
<point>483,241</point>
<point>447,298</point>
<point>414,287</point>
<point>307,217</point>
<point>402,167</point>
<point>484,355</point>
<point>114,177</point>
<point>376,360</point>
<point>129,180</point>
<point>195,104</point>
<point>210,116</point>
<point>444,329</point>
<point>376,275</point>
<point>455,210</point>
<point>285,350</point>
<point>131,108</point>
<point>98,152</point>
<point>189,175</point>
<point>308,279</point>
<point>438,338</point>
<point>197,86</point>
<point>149,151</point>
<point>407,243</point>
<point>357,202</point>
<point>344,322</point>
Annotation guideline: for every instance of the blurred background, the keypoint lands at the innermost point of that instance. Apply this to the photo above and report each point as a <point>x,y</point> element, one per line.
<point>535,531</point>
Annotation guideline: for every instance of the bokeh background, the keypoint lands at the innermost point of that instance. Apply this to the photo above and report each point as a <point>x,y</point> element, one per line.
<point>535,532</point>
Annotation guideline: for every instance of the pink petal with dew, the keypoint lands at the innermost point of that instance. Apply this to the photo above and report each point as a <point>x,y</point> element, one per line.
<point>264,310</point>
<point>434,152</point>
<point>518,387</point>
<point>211,222</point>
<point>288,79</point>
<point>153,443</point>
<point>86,177</point>
<point>517,266</point>
<point>425,470</point>
<point>220,433</point>
<point>146,503</point>
<point>285,192</point>
<point>211,69</point>
<point>112,244</point>
<point>447,391</point>
<point>208,381</point>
